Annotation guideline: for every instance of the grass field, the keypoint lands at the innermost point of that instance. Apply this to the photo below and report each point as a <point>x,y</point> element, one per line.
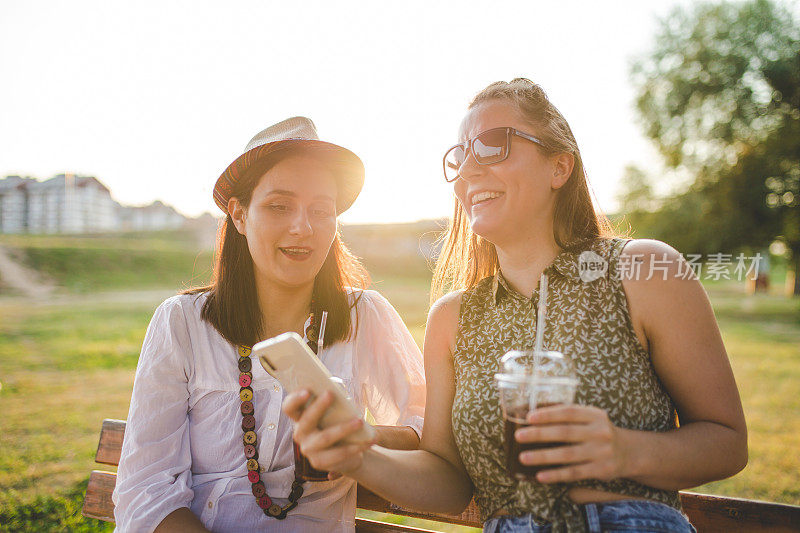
<point>123,262</point>
<point>68,363</point>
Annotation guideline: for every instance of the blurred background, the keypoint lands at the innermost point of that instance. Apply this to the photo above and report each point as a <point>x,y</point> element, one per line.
<point>115,121</point>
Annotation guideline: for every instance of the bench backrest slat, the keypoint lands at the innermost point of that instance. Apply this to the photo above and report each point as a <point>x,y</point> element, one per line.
<point>97,502</point>
<point>707,513</point>
<point>717,513</point>
<point>110,446</point>
<point>364,525</point>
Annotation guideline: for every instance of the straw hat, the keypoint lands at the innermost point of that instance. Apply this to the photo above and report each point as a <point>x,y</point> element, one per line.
<point>297,132</point>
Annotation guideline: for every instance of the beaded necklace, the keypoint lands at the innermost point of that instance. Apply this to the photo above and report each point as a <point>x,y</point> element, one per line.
<point>250,439</point>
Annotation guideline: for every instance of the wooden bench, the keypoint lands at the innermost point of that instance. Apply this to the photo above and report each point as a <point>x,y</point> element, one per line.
<point>707,513</point>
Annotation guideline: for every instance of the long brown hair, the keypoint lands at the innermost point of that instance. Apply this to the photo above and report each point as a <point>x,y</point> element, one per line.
<point>232,305</point>
<point>466,258</point>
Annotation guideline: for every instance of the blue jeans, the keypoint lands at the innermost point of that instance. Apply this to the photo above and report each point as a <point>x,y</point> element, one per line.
<point>626,515</point>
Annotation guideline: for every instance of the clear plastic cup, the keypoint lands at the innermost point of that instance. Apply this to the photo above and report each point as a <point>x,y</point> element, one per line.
<point>531,380</point>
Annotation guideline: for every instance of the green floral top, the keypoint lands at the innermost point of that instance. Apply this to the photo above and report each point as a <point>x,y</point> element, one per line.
<point>589,322</point>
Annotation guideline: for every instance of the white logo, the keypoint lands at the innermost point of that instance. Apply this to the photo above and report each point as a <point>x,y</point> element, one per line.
<point>591,266</point>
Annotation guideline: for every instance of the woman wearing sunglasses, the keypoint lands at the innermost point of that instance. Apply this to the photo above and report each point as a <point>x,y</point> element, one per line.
<point>206,446</point>
<point>657,408</point>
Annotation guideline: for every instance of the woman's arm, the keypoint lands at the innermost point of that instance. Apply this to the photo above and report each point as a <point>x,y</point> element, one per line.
<point>673,318</point>
<point>154,475</point>
<point>397,437</point>
<point>429,479</point>
<point>690,360</point>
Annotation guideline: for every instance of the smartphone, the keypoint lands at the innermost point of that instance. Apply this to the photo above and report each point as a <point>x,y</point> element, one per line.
<point>289,360</point>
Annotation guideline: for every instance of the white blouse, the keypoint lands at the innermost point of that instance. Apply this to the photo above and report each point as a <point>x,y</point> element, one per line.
<point>183,441</point>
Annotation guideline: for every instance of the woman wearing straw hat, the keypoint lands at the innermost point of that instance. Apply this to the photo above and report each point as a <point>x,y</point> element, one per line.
<point>206,444</point>
<point>636,323</point>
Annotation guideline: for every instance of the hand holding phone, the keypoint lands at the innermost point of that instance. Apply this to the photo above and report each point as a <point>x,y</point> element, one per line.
<point>288,359</point>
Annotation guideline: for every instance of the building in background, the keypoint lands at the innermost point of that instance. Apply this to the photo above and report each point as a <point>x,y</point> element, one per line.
<point>67,203</point>
<point>151,217</point>
<point>14,204</point>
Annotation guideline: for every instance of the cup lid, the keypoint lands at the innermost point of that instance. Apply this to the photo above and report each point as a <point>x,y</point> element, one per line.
<point>517,379</point>
<point>546,363</point>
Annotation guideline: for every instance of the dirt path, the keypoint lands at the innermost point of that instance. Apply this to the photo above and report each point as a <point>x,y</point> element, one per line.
<point>22,279</point>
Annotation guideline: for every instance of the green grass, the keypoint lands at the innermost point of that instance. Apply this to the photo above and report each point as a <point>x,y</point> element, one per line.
<point>77,336</point>
<point>60,512</point>
<point>147,241</point>
<point>67,364</point>
<point>762,337</point>
<point>102,269</point>
<point>64,368</point>
<point>126,262</point>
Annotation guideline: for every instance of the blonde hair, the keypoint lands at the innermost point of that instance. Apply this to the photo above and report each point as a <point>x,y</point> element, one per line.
<point>466,258</point>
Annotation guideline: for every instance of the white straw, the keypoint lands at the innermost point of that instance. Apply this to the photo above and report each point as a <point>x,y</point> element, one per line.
<point>541,315</point>
<point>321,336</point>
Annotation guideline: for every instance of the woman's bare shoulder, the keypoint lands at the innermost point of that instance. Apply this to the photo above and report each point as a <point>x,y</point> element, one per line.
<point>447,307</point>
<point>659,283</point>
<point>649,249</point>
<point>442,326</point>
<point>648,264</point>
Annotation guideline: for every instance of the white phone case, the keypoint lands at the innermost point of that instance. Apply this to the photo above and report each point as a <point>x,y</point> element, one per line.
<point>289,360</point>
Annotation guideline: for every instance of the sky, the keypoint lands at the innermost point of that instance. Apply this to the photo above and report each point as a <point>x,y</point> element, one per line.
<point>156,98</point>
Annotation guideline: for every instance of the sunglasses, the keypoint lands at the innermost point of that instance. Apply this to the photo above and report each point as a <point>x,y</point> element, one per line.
<point>488,148</point>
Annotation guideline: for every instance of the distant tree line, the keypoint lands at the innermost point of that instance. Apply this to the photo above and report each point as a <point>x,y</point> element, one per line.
<point>719,94</point>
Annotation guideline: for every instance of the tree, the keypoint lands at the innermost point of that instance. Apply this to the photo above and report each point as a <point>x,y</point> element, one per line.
<point>637,192</point>
<point>783,148</point>
<point>720,96</point>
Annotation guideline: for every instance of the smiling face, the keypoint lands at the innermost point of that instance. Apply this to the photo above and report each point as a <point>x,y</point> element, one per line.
<point>507,200</point>
<point>290,222</point>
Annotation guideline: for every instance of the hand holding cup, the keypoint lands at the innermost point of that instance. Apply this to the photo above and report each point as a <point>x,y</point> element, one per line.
<point>591,446</point>
<point>532,380</point>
